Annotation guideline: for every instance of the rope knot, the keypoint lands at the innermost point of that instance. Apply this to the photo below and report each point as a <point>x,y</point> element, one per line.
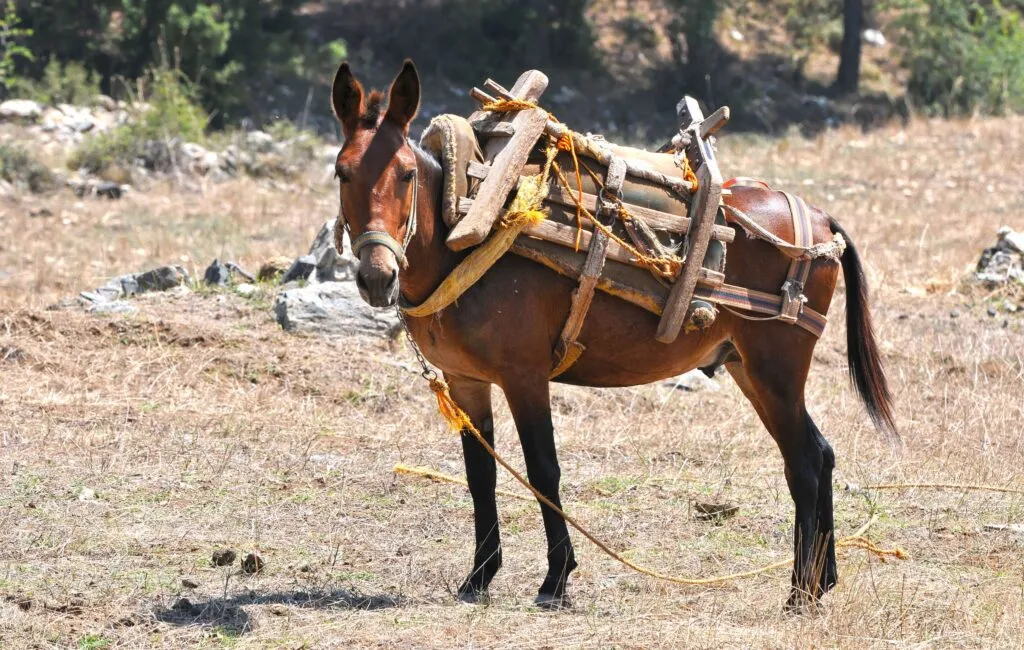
<point>509,105</point>
<point>450,411</point>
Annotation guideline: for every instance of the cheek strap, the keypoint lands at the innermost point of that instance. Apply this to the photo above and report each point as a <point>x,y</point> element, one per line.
<point>382,238</point>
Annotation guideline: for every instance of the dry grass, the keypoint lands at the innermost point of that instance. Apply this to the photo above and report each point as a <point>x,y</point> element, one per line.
<point>131,448</point>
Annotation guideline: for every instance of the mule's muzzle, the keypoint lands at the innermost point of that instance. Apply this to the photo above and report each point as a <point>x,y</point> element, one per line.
<point>377,276</point>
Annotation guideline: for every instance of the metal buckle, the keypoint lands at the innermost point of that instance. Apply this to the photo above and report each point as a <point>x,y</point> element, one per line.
<point>793,300</point>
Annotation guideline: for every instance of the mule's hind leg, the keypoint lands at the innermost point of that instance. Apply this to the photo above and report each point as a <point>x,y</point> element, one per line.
<point>530,403</point>
<point>475,398</point>
<point>825,510</point>
<point>775,386</point>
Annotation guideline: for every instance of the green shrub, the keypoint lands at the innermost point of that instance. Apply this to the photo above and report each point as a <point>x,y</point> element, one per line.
<point>23,171</point>
<point>69,83</point>
<point>166,112</point>
<point>236,51</point>
<point>11,47</point>
<point>964,57</point>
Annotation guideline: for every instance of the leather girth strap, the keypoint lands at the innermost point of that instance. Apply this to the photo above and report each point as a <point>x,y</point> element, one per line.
<point>792,292</point>
<point>568,350</point>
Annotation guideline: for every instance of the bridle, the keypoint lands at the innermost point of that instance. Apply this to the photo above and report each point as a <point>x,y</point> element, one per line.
<point>384,238</point>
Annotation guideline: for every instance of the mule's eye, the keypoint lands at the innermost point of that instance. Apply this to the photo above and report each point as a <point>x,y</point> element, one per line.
<point>409,175</point>
<point>341,175</point>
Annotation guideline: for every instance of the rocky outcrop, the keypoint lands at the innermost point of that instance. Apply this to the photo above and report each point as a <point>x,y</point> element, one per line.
<point>1003,263</point>
<point>331,308</point>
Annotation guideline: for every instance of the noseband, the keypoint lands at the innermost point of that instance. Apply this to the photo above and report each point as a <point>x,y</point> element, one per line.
<point>385,239</point>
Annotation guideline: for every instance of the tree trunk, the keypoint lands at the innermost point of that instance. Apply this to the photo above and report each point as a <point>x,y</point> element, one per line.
<point>848,77</point>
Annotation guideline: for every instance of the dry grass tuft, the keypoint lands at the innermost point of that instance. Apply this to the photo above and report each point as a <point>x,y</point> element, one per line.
<point>134,447</point>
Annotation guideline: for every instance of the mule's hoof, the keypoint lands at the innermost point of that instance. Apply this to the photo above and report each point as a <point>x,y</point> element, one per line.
<point>801,603</point>
<point>552,602</point>
<point>472,596</point>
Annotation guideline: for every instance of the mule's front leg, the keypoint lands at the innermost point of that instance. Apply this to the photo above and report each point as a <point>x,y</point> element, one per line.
<point>475,398</point>
<point>530,404</point>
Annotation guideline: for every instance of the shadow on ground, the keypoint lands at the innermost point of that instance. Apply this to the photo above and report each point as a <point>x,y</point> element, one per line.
<point>227,614</point>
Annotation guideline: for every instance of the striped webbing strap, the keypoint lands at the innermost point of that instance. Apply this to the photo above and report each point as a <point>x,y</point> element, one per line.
<point>789,305</point>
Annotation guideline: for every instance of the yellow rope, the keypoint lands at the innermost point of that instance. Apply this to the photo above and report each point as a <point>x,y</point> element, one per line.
<point>666,267</point>
<point>567,143</point>
<point>459,421</point>
<point>688,173</point>
<point>523,212</point>
<point>438,476</point>
<point>942,486</point>
<point>509,105</point>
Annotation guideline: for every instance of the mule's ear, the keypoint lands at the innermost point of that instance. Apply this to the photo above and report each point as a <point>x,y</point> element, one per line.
<point>404,96</point>
<point>347,98</point>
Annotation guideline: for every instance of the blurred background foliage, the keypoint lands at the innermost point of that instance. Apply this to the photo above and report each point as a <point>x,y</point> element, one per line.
<point>609,59</point>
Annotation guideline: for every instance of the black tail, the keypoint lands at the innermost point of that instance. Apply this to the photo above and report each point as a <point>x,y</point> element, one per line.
<point>861,349</point>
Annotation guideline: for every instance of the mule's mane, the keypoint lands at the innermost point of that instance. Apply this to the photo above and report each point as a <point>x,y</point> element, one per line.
<point>426,156</point>
<point>374,105</point>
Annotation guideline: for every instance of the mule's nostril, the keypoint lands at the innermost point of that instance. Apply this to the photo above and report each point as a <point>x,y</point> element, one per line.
<point>360,282</point>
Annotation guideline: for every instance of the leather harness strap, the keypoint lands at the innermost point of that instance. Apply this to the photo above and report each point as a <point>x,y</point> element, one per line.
<point>382,238</point>
<point>568,350</point>
<point>793,297</point>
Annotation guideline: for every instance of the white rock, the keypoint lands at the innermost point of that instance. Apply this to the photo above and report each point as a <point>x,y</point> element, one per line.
<point>1011,239</point>
<point>736,35</point>
<point>209,162</point>
<point>20,109</point>
<point>193,151</point>
<point>874,37</point>
<point>260,141</point>
<point>105,102</point>
<point>245,289</point>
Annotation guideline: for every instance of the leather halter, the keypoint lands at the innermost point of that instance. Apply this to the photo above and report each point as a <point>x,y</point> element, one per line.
<point>383,238</point>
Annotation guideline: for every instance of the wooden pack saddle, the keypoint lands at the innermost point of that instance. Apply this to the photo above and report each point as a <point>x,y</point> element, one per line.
<point>655,234</point>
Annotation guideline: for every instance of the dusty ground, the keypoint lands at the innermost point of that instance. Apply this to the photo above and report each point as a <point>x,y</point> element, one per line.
<point>133,447</point>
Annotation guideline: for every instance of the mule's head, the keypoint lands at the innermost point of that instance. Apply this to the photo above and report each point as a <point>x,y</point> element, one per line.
<point>377,171</point>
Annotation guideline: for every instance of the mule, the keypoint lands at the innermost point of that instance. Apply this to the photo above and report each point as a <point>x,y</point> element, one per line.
<point>503,329</point>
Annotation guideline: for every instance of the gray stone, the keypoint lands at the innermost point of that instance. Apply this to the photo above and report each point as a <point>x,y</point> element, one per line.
<point>331,308</point>
<point>109,190</point>
<point>128,285</point>
<point>217,275</point>
<point>301,269</point>
<point>331,266</point>
<point>113,307</point>
<point>114,289</point>
<point>161,279</point>
<point>1003,262</point>
<point>193,151</point>
<point>105,102</point>
<point>82,123</point>
<point>259,141</point>
<point>94,297</point>
<point>234,268</point>
<point>20,109</point>
<point>1011,240</point>
<point>245,289</point>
